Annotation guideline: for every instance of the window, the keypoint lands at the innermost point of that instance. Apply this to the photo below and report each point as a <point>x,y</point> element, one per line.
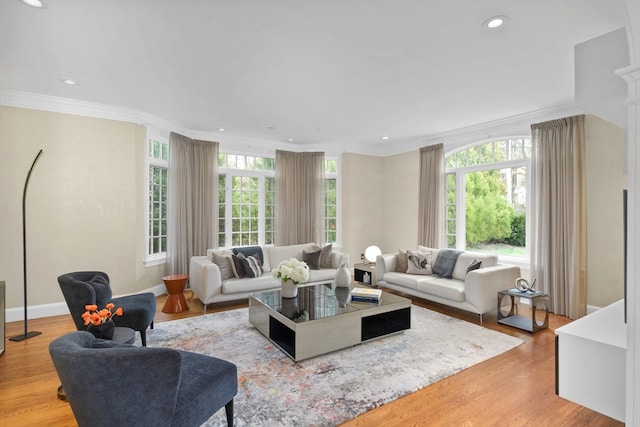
<point>486,197</point>
<point>246,203</point>
<point>330,201</point>
<point>158,176</point>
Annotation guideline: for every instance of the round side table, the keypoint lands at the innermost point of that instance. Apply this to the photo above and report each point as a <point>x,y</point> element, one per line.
<point>175,299</point>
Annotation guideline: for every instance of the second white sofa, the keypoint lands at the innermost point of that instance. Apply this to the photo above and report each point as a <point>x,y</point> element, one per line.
<point>211,285</point>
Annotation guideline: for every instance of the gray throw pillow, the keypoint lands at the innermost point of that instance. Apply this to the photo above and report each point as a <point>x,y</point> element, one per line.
<point>401,264</point>
<point>325,256</point>
<point>224,263</point>
<point>445,263</point>
<point>474,265</point>
<point>238,266</point>
<point>312,259</point>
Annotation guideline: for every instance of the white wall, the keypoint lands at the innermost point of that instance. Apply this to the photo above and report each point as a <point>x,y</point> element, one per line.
<point>85,202</point>
<point>605,166</point>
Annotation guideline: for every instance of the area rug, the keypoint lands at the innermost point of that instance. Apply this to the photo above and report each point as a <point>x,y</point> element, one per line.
<point>331,389</point>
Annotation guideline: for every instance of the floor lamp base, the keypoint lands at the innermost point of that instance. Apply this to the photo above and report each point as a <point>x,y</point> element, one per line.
<point>22,337</point>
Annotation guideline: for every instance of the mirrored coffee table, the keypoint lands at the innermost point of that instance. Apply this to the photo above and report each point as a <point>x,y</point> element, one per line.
<point>322,319</point>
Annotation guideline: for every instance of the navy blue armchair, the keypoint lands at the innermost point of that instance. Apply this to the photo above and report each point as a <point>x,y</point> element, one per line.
<point>110,384</point>
<point>92,287</point>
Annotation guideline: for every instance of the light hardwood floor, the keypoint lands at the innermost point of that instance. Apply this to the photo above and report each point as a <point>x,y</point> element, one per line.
<point>516,388</point>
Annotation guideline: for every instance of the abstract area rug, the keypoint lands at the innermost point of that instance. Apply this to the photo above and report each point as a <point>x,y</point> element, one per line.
<point>331,389</point>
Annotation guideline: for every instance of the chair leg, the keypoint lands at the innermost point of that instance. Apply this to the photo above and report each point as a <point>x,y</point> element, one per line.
<point>151,325</point>
<point>228,408</point>
<point>143,337</point>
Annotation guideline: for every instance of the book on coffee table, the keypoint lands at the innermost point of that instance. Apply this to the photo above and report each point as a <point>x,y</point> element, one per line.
<point>366,295</point>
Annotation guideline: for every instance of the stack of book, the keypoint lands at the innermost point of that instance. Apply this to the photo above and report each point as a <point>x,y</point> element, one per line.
<point>366,295</point>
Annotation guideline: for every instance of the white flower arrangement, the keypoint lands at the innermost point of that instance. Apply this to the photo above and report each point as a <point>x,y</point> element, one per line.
<point>292,269</point>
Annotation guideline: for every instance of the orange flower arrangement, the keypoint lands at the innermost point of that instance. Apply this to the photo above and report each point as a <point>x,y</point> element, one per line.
<point>96,317</point>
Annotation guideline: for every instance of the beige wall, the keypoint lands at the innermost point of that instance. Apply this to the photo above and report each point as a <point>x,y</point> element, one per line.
<point>85,202</point>
<point>379,202</point>
<point>605,166</point>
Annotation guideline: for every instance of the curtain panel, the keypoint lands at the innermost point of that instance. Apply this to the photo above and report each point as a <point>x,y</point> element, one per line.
<point>431,202</point>
<point>193,195</point>
<point>558,214</point>
<point>299,182</point>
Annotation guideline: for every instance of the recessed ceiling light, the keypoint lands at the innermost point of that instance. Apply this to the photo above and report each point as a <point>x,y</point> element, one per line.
<point>221,129</point>
<point>69,82</point>
<point>290,139</point>
<point>384,138</point>
<point>34,3</point>
<point>495,22</point>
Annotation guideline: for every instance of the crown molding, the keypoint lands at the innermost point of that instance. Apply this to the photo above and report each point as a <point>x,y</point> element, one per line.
<point>452,140</point>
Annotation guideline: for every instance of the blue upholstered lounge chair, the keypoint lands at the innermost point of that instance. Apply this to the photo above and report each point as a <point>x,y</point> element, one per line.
<point>111,384</point>
<point>92,287</point>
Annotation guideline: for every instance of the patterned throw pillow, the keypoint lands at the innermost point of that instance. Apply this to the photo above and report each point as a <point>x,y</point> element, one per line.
<point>419,263</point>
<point>251,265</point>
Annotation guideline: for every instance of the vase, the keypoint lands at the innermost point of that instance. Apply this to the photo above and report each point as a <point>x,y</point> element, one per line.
<point>288,289</point>
<point>104,330</point>
<point>343,276</point>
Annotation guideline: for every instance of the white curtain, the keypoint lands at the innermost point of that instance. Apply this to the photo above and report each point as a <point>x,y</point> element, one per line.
<point>431,202</point>
<point>558,214</point>
<point>193,196</point>
<point>299,180</point>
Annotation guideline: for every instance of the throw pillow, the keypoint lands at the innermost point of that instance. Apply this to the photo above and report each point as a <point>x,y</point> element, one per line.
<point>401,265</point>
<point>445,263</point>
<point>419,263</point>
<point>474,265</point>
<point>224,263</point>
<point>238,266</point>
<point>251,265</point>
<point>312,259</point>
<point>325,256</point>
<point>247,251</point>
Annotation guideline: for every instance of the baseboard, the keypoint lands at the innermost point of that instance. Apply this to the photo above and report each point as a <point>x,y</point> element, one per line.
<point>58,308</point>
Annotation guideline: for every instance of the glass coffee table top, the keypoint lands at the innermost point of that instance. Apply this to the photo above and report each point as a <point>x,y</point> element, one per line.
<point>316,302</point>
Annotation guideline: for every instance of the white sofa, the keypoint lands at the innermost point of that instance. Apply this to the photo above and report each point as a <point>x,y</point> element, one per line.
<point>474,291</point>
<point>206,281</point>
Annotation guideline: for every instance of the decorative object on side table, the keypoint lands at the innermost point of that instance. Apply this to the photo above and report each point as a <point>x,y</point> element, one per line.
<point>343,276</point>
<point>291,272</point>
<point>100,322</point>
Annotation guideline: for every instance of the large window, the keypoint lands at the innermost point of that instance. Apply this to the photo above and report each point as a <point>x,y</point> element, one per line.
<point>246,205</point>
<point>486,203</point>
<point>158,175</point>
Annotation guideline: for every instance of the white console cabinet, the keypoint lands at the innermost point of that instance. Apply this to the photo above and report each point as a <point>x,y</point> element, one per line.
<point>591,358</point>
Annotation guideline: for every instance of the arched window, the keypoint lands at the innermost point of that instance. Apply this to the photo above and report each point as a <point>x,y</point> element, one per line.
<point>486,202</point>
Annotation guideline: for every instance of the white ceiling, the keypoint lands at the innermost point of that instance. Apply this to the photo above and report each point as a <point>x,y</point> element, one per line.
<point>320,72</point>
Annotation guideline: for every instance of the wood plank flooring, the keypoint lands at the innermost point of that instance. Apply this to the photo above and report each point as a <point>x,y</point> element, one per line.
<point>516,388</point>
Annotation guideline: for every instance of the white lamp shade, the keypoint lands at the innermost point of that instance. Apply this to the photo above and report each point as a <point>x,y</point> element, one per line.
<point>371,253</point>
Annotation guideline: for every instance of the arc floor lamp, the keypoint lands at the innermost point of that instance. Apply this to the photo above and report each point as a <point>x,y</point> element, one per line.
<point>26,334</point>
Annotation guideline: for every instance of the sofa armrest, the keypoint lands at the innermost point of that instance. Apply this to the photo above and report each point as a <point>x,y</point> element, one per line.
<point>338,258</point>
<point>481,286</point>
<point>204,278</point>
<point>385,263</point>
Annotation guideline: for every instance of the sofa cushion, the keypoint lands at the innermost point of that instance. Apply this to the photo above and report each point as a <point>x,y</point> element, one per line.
<point>402,279</point>
<point>419,263</point>
<point>254,284</point>
<point>312,259</point>
<point>325,255</point>
<point>402,262</point>
<point>324,274</point>
<point>277,254</point>
<point>445,263</point>
<point>450,289</point>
